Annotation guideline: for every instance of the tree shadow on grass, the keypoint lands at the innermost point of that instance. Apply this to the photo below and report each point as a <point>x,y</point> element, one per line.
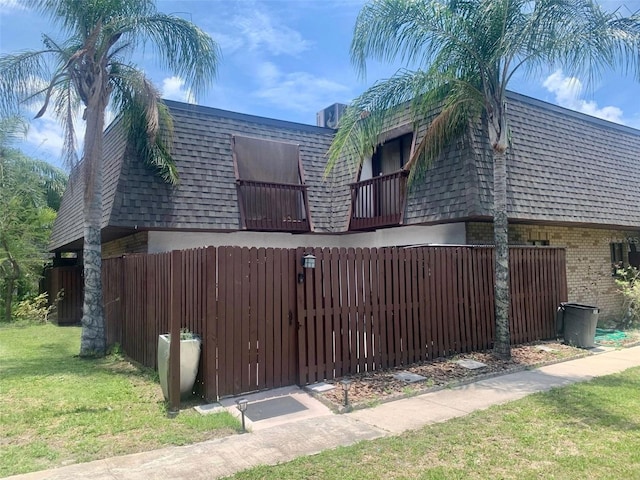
<point>51,361</point>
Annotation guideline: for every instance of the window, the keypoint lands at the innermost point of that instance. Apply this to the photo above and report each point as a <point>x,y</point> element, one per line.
<point>539,243</point>
<point>392,155</point>
<point>617,256</point>
<point>271,191</point>
<point>634,255</point>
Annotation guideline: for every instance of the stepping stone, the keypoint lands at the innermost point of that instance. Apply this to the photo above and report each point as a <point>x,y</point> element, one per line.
<point>321,387</point>
<point>544,348</point>
<point>209,408</point>
<point>600,349</point>
<point>471,364</point>
<point>409,377</point>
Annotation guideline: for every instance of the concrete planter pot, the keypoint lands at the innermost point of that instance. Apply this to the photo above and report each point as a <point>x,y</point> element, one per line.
<point>189,361</point>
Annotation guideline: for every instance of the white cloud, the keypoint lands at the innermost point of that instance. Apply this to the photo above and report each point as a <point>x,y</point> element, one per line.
<point>259,30</point>
<point>46,134</point>
<point>568,91</point>
<point>299,91</point>
<point>173,89</point>
<point>227,43</point>
<point>6,5</point>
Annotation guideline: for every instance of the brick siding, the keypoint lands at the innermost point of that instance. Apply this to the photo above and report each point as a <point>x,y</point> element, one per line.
<point>136,243</point>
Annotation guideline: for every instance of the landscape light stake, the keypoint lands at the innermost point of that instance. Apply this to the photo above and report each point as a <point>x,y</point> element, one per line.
<point>346,385</point>
<point>242,405</point>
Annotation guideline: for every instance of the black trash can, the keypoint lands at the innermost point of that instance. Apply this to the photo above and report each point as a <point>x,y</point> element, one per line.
<point>578,324</point>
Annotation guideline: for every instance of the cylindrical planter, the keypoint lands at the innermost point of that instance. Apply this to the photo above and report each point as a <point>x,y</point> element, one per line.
<point>189,360</point>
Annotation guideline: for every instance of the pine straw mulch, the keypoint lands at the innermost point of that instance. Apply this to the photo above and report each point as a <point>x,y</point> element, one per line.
<point>371,388</point>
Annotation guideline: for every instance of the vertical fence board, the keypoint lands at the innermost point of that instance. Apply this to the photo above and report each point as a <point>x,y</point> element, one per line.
<point>375,310</point>
<point>367,285</point>
<point>290,280</point>
<point>210,346</point>
<point>303,327</point>
<point>334,299</point>
<point>357,307</point>
<point>266,326</point>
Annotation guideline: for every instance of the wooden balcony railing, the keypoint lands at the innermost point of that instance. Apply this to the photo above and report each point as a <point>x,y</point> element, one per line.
<point>273,206</point>
<point>379,201</point>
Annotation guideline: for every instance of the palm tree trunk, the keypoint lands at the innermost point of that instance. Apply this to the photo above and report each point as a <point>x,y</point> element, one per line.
<point>10,280</point>
<point>93,339</point>
<point>8,299</point>
<point>502,345</point>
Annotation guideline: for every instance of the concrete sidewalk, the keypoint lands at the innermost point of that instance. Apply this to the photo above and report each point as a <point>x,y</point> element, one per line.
<point>283,441</point>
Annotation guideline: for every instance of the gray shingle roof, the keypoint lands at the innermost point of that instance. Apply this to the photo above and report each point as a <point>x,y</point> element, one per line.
<point>205,198</point>
<point>563,167</point>
<point>568,167</point>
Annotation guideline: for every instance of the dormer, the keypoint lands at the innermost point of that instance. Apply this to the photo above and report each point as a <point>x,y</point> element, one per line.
<point>378,198</point>
<point>270,181</point>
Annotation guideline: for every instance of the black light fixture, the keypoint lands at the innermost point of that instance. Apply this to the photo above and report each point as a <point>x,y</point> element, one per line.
<point>307,261</point>
<point>242,404</point>
<point>346,386</point>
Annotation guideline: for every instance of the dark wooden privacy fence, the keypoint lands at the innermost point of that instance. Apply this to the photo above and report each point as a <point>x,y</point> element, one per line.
<point>69,281</point>
<point>370,309</point>
<point>240,301</point>
<point>378,201</point>
<point>267,322</point>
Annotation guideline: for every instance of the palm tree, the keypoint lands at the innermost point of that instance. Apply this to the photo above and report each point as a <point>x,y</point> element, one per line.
<point>464,53</point>
<point>89,70</point>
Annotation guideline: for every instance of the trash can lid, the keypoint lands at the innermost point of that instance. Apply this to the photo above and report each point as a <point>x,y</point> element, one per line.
<point>577,305</point>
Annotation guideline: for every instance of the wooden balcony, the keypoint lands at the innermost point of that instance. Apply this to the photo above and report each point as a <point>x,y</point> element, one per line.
<point>379,201</point>
<point>273,206</point>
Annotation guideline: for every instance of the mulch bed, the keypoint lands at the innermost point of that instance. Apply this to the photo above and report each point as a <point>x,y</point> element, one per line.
<point>374,387</point>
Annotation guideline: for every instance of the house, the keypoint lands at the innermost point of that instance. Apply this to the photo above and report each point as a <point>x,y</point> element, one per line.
<point>253,181</point>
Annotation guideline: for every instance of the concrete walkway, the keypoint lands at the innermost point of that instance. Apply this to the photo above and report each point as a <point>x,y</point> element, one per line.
<point>280,441</point>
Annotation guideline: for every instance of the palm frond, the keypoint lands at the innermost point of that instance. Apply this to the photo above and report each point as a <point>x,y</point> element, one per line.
<point>81,16</point>
<point>12,128</point>
<point>21,77</point>
<point>146,118</point>
<point>368,116</point>
<point>182,47</point>
<point>387,30</point>
<point>446,111</point>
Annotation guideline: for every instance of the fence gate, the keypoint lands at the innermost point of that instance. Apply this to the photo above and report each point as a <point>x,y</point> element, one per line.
<point>255,325</point>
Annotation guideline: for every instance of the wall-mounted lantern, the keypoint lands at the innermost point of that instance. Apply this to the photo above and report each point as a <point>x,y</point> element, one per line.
<point>307,261</point>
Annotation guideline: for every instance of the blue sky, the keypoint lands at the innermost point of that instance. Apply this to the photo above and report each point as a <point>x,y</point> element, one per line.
<point>289,59</point>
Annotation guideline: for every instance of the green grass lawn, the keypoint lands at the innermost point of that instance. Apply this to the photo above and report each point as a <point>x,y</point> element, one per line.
<point>586,431</point>
<point>57,409</point>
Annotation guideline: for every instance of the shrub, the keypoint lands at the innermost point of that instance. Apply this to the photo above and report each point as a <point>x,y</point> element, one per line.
<point>35,309</point>
<point>628,281</point>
